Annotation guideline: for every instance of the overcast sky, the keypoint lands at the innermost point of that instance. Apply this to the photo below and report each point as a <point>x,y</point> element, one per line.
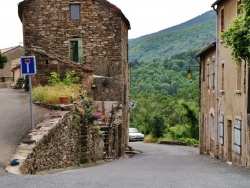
<point>145,16</point>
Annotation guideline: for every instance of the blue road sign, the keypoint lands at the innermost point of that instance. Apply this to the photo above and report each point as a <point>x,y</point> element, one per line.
<point>28,65</point>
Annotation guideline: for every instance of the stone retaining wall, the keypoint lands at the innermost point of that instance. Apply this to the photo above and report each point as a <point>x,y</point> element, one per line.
<point>58,142</point>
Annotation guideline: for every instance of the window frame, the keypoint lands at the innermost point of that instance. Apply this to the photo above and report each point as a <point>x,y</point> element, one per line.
<point>75,11</point>
<point>208,74</point>
<point>239,76</point>
<point>213,73</point>
<point>222,19</point>
<point>238,136</point>
<point>222,76</point>
<point>221,124</point>
<point>79,50</point>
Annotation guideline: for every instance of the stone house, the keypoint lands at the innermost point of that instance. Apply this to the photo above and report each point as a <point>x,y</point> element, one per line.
<point>86,33</point>
<point>7,75</point>
<point>224,125</point>
<point>207,96</point>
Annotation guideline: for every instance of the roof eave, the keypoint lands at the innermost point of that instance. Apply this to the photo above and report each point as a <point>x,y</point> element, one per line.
<point>210,46</point>
<point>20,10</point>
<point>216,3</point>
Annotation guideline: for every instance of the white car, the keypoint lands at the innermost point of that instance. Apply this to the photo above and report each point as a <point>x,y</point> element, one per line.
<point>135,135</point>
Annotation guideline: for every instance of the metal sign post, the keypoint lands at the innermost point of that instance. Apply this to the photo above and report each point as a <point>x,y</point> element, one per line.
<point>28,67</point>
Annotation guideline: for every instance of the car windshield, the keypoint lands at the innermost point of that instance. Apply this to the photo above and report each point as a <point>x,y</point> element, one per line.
<point>133,130</point>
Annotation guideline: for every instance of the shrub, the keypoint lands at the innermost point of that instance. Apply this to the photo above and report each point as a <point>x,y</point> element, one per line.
<point>179,131</point>
<point>158,126</point>
<point>150,139</point>
<point>95,128</point>
<point>69,78</point>
<point>189,141</point>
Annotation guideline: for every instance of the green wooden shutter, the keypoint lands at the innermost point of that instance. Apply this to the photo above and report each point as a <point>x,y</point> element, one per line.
<point>80,53</point>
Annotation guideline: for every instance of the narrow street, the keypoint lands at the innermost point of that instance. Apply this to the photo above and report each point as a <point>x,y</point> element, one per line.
<point>15,120</point>
<point>157,167</point>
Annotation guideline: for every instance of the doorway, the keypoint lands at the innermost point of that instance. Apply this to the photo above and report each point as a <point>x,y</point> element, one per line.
<point>229,140</point>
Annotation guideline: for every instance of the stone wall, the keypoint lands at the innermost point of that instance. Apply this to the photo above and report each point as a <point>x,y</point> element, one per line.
<point>58,143</point>
<point>62,140</point>
<point>48,25</point>
<point>48,63</point>
<point>102,31</point>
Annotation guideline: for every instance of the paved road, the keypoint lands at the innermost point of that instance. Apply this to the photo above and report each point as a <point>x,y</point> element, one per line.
<point>15,120</point>
<point>159,166</point>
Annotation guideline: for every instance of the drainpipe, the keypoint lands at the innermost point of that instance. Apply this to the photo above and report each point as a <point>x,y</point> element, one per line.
<point>217,83</point>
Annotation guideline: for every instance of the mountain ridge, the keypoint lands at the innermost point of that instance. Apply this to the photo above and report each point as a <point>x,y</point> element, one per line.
<point>161,45</point>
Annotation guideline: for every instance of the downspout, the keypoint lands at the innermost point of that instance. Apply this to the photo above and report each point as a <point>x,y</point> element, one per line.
<point>216,83</point>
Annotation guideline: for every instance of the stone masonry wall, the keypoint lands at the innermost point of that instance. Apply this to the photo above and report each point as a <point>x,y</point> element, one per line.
<point>103,31</point>
<point>62,140</point>
<point>48,24</point>
<point>59,142</point>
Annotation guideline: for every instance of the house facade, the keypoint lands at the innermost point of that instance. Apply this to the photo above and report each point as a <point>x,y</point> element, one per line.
<point>92,34</point>
<point>7,76</point>
<point>224,125</point>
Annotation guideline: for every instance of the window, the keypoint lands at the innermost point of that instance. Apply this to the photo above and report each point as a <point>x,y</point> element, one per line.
<point>238,7</point>
<point>222,20</point>
<point>211,127</point>
<point>75,50</point>
<point>213,73</point>
<point>221,123</point>
<point>203,71</point>
<point>75,11</point>
<point>208,77</point>
<point>222,76</point>
<point>238,71</point>
<point>237,136</point>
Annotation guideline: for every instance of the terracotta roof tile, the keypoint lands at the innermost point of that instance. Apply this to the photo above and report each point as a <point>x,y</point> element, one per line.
<point>210,46</point>
<point>38,50</point>
<point>7,49</point>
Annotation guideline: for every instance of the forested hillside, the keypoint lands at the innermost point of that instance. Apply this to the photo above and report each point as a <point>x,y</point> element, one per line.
<point>167,102</point>
<point>194,33</point>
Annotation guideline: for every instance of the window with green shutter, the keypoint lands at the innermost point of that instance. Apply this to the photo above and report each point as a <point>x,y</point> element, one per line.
<point>75,50</point>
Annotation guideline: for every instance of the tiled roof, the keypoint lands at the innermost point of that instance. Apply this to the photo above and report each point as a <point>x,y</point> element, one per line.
<point>210,46</point>
<point>102,2</point>
<point>38,50</point>
<point>7,49</point>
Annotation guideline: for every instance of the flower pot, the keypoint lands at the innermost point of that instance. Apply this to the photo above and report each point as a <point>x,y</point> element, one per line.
<point>64,100</point>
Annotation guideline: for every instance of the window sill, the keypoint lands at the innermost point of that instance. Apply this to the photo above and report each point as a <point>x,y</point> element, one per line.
<point>222,92</point>
<point>237,92</point>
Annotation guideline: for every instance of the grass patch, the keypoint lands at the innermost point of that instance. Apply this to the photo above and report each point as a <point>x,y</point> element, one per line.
<point>150,139</point>
<point>51,94</point>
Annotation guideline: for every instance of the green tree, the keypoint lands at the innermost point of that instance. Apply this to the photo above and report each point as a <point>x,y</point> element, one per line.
<point>237,36</point>
<point>158,126</point>
<point>3,60</point>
